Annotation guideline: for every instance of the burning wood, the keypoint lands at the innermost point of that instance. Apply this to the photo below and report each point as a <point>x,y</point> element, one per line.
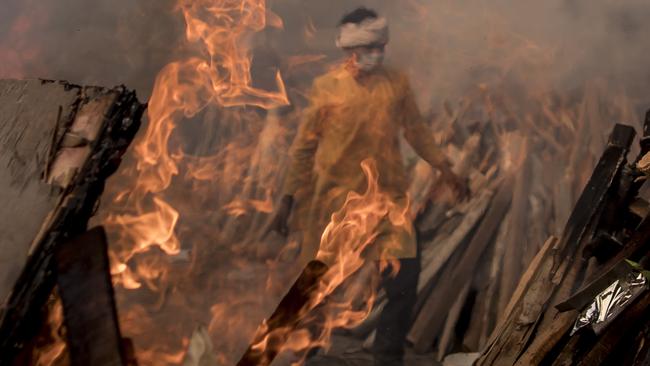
<point>273,334</point>
<point>60,142</point>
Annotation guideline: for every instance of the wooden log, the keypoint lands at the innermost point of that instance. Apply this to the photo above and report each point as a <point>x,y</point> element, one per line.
<point>431,318</point>
<point>434,258</point>
<point>491,314</point>
<point>477,319</point>
<point>61,143</point>
<point>84,283</point>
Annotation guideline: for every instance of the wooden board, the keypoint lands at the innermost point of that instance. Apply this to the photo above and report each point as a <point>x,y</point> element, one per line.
<point>26,129</point>
<point>60,142</point>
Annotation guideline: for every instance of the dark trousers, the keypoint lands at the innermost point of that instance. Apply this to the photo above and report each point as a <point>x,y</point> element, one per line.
<point>395,319</point>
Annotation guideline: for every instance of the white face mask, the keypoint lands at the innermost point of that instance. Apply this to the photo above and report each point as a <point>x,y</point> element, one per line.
<point>368,61</point>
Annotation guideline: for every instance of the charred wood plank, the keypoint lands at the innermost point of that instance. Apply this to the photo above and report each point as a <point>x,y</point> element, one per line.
<point>582,225</point>
<point>84,283</point>
<point>271,336</point>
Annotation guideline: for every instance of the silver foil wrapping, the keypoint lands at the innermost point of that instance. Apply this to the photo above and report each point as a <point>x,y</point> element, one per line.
<point>611,302</point>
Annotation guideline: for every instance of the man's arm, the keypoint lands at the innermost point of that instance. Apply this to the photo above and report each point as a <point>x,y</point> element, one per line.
<point>420,136</point>
<point>301,166</point>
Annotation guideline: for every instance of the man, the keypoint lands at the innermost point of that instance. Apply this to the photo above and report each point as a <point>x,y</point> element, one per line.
<point>357,111</point>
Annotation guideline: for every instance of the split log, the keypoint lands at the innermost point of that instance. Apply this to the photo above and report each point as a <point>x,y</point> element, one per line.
<point>491,314</point>
<point>438,253</point>
<point>450,324</point>
<point>516,245</point>
<point>60,142</point>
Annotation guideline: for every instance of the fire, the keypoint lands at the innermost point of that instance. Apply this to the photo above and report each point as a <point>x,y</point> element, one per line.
<point>346,291</point>
<point>186,251</point>
<point>147,256</point>
<point>183,89</point>
<point>350,233</point>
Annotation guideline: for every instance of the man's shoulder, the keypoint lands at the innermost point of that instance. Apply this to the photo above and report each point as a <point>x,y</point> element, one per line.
<point>396,75</point>
<point>332,77</point>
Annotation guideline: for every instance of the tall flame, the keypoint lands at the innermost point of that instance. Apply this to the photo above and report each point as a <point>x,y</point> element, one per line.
<point>183,88</point>
<point>144,216</point>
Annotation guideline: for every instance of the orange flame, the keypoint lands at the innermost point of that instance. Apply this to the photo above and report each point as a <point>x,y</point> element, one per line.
<point>346,293</point>
<point>183,89</point>
<point>218,75</point>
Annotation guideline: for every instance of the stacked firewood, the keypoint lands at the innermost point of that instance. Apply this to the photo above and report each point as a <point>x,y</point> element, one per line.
<point>526,170</point>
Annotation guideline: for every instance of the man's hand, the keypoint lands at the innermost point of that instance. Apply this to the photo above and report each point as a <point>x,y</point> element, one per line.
<point>453,189</point>
<point>279,223</point>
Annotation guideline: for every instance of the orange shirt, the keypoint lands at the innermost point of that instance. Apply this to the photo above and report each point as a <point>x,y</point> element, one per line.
<point>348,121</point>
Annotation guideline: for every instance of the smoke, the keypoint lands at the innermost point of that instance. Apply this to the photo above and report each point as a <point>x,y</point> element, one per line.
<point>97,43</point>
<point>449,46</point>
<point>446,46</point>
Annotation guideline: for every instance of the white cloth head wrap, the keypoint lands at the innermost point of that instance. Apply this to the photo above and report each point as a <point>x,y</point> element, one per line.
<point>368,32</point>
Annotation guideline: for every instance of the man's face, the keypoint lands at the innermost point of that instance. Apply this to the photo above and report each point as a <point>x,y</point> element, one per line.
<point>368,58</point>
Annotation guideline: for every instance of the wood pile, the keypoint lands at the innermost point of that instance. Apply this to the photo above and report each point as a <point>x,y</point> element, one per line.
<point>523,190</point>
<point>606,229</point>
<point>58,144</point>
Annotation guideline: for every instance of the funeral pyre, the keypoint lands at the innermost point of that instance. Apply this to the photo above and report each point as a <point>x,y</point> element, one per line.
<point>193,276</point>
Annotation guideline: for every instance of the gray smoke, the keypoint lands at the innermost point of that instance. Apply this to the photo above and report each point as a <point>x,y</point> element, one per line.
<point>446,46</point>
